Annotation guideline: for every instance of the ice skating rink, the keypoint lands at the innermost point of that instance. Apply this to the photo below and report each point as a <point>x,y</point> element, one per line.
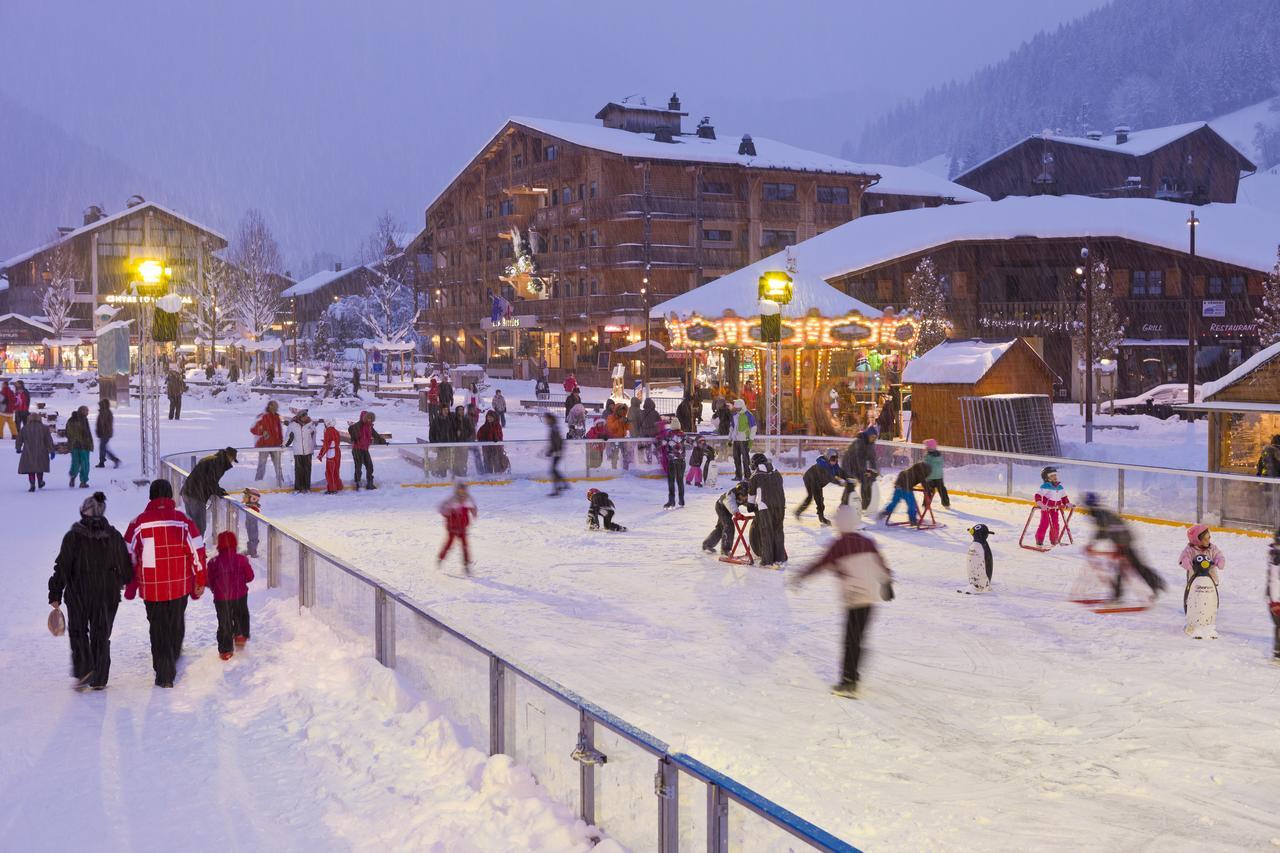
<point>1012,721</point>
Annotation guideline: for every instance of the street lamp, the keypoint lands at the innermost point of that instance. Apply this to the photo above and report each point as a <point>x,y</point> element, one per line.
<point>644,300</point>
<point>151,284</point>
<point>1189,287</point>
<point>1088,344</point>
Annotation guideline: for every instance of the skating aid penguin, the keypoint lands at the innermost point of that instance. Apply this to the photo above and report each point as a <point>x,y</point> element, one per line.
<point>980,561</point>
<point>1200,601</point>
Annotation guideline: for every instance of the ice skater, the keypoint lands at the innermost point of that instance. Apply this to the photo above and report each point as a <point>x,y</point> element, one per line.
<point>934,482</point>
<point>555,449</point>
<point>1052,501</point>
<point>904,491</point>
<point>700,457</point>
<point>824,471</point>
<point>729,505</point>
<point>458,510</point>
<point>1111,528</point>
<point>672,447</point>
<point>1203,561</point>
<point>331,452</point>
<point>860,466</point>
<point>768,536</point>
<point>600,511</point>
<point>865,581</point>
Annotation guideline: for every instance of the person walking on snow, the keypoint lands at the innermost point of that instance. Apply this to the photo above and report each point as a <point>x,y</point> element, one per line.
<point>8,400</point>
<point>363,436</point>
<point>458,510</point>
<point>302,438</point>
<point>865,581</point>
<point>934,483</point>
<point>500,407</point>
<point>168,556</point>
<point>268,431</point>
<point>824,471</point>
<point>230,574</point>
<point>35,450</point>
<point>106,428</point>
<point>555,449</point>
<point>446,394</point>
<point>1052,500</point>
<point>331,452</point>
<point>860,466</point>
<point>174,386</point>
<point>80,440</point>
<point>742,429</point>
<point>92,566</point>
<point>205,482</point>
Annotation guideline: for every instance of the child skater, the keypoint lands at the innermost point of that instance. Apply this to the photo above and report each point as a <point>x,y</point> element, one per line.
<point>600,509</point>
<point>1202,561</point>
<point>331,452</point>
<point>229,576</point>
<point>252,502</point>
<point>933,482</point>
<point>1052,499</point>
<point>701,455</point>
<point>731,503</point>
<point>458,510</point>
<point>1198,543</point>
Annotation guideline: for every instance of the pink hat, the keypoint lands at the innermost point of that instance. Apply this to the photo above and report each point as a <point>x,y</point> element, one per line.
<point>931,444</point>
<point>1194,531</point>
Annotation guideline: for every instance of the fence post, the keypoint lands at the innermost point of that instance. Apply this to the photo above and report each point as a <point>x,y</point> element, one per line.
<point>273,557</point>
<point>1008,478</point>
<point>666,785</point>
<point>1199,499</point>
<point>1120,490</point>
<point>306,577</point>
<point>586,770</point>
<point>497,706</point>
<point>384,628</point>
<point>717,820</point>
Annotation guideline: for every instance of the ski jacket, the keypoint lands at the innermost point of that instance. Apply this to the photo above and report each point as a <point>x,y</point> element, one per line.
<point>35,443</point>
<point>933,459</point>
<point>78,436</point>
<point>490,431</point>
<point>167,551</point>
<point>860,458</point>
<point>92,564</point>
<point>824,472</point>
<point>600,501</point>
<point>1269,461</point>
<point>105,425</point>
<point>1215,556</point>
<point>331,444</point>
<point>230,572</point>
<point>853,559</point>
<point>174,385</point>
<point>768,492</point>
<point>1052,496</point>
<point>499,402</point>
<point>21,400</point>
<point>205,481</point>
<point>458,514</point>
<point>302,438</point>
<point>268,429</point>
<point>730,501</point>
<point>599,430</point>
<point>673,446</point>
<point>909,478</point>
<point>363,435</point>
<point>7,400</point>
<point>742,426</point>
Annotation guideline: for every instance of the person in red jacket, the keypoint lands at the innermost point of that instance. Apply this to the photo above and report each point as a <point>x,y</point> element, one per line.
<point>168,568</point>
<point>331,452</point>
<point>458,511</point>
<point>229,575</point>
<point>269,432</point>
<point>492,454</point>
<point>21,403</point>
<point>363,436</point>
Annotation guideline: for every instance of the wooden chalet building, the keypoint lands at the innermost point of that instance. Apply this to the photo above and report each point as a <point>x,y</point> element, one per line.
<point>1011,268</point>
<point>620,216</point>
<point>308,299</point>
<point>1188,163</point>
<point>105,249</point>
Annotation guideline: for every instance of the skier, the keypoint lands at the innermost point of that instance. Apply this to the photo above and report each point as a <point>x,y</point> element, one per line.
<point>981,563</point>
<point>1273,591</point>
<point>729,504</point>
<point>742,428</point>
<point>865,580</point>
<point>1053,502</point>
<point>302,438</point>
<point>458,510</point>
<point>699,459</point>
<point>35,446</point>
<point>363,436</point>
<point>600,511</point>
<point>205,482</point>
<point>555,449</point>
<point>768,538</point>
<point>331,452</point>
<point>672,447</point>
<point>268,432</point>
<point>825,470</point>
<point>91,567</point>
<point>904,490</point>
<point>168,568</point>
<point>860,466</point>
<point>1109,527</point>
<point>229,576</point>
<point>933,483</point>
<point>105,428</point>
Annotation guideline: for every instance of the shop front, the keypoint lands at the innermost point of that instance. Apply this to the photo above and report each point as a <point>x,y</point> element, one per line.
<point>1155,350</point>
<point>22,346</point>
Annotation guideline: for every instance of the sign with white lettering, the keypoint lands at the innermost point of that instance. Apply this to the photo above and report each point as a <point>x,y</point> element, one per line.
<point>1213,308</point>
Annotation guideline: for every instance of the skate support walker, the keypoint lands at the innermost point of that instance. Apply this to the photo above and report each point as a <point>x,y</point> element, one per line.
<point>924,517</point>
<point>1095,585</point>
<point>1064,534</point>
<point>746,558</point>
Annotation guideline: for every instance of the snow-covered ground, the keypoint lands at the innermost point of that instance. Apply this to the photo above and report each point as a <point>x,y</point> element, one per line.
<point>1134,439</point>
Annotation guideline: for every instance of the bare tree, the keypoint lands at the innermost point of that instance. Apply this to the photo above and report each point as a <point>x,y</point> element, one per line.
<point>212,311</point>
<point>256,256</point>
<point>63,269</point>
<point>382,243</point>
<point>387,310</point>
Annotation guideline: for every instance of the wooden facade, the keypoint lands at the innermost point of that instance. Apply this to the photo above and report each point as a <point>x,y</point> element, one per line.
<point>1236,437</point>
<point>935,407</point>
<point>1194,167</point>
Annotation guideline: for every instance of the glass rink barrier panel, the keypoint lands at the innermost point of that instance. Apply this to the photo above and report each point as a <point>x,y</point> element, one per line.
<point>750,832</point>
<point>540,731</point>
<point>341,600</point>
<point>448,670</point>
<point>692,794</point>
<point>625,790</point>
<point>284,561</point>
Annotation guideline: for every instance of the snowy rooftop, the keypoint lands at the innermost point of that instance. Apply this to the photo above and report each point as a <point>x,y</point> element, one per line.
<point>107,220</point>
<point>1230,233</point>
<point>741,295</point>
<point>955,362</point>
<point>30,321</point>
<point>318,281</point>
<point>1253,363</point>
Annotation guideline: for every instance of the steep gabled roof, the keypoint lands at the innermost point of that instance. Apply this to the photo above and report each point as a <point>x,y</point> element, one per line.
<point>961,362</point>
<point>1254,362</point>
<point>320,280</point>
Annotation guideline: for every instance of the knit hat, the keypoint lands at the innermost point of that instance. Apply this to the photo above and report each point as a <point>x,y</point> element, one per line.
<point>931,444</point>
<point>94,506</point>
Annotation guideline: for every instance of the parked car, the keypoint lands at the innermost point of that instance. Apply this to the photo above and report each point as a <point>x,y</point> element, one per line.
<point>1157,402</point>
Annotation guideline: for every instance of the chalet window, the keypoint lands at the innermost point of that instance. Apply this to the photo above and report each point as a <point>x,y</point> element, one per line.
<point>595,287</point>
<point>717,235</point>
<point>593,189</point>
<point>507,207</point>
<point>582,191</point>
<point>779,192</point>
<point>1237,285</point>
<point>566,195</point>
<point>555,243</point>
<point>777,240</point>
<point>550,153</point>
<point>555,198</point>
<point>833,195</point>
<point>1147,283</point>
<point>517,160</point>
<point>595,237</point>
<point>1214,286</point>
<point>582,239</point>
<point>717,188</point>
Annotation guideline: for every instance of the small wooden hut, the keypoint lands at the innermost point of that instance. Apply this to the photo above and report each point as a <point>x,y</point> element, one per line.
<point>955,370</point>
<point>1244,412</point>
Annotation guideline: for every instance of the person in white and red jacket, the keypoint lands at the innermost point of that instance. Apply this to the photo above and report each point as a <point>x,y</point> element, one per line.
<point>865,581</point>
<point>168,568</point>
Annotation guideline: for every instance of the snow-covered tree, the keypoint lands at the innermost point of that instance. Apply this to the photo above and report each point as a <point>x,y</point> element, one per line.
<point>212,311</point>
<point>256,256</point>
<point>62,268</point>
<point>1269,311</point>
<point>927,298</point>
<point>1108,324</point>
<point>340,325</point>
<point>387,311</point>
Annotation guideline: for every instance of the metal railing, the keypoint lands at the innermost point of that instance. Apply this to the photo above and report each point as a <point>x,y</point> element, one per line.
<point>610,773</point>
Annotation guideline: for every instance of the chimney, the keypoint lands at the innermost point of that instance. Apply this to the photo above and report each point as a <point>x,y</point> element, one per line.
<point>662,134</point>
<point>337,266</point>
<point>134,200</point>
<point>64,230</point>
<point>747,146</point>
<point>1095,135</point>
<point>705,129</point>
<point>1122,134</point>
<point>92,214</point>
<point>674,104</point>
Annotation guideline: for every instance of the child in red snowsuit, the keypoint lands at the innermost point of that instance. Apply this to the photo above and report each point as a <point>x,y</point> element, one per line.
<point>331,452</point>
<point>229,575</point>
<point>1053,502</point>
<point>458,511</point>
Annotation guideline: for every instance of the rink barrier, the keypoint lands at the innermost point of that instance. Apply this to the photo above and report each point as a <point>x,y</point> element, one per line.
<point>610,773</point>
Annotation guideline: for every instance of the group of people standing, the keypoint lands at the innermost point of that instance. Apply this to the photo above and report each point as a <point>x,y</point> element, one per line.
<point>310,440</point>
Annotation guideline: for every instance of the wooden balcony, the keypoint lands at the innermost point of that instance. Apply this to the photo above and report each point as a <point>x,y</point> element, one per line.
<point>834,214</point>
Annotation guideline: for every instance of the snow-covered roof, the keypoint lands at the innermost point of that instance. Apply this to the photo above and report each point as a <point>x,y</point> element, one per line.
<point>113,325</point>
<point>955,362</point>
<point>739,292</point>
<point>264,345</point>
<point>1230,233</point>
<point>913,180</point>
<point>104,221</point>
<point>30,321</point>
<point>1261,190</point>
<point>1251,364</point>
<point>318,281</point>
<point>389,346</point>
<point>640,345</point>
<point>1139,143</point>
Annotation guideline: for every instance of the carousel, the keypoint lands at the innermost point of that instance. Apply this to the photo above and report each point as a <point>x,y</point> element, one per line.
<point>823,361</point>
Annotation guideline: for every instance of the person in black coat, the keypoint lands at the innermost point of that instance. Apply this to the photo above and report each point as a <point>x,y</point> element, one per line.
<point>555,449</point>
<point>822,473</point>
<point>91,568</point>
<point>460,430</point>
<point>205,482</point>
<point>573,399</point>
<point>768,537</point>
<point>355,380</point>
<point>446,394</point>
<point>684,414</point>
<point>860,466</point>
<point>106,428</point>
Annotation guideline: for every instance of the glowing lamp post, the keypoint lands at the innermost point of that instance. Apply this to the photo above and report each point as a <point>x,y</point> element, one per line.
<point>776,288</point>
<point>151,288</point>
